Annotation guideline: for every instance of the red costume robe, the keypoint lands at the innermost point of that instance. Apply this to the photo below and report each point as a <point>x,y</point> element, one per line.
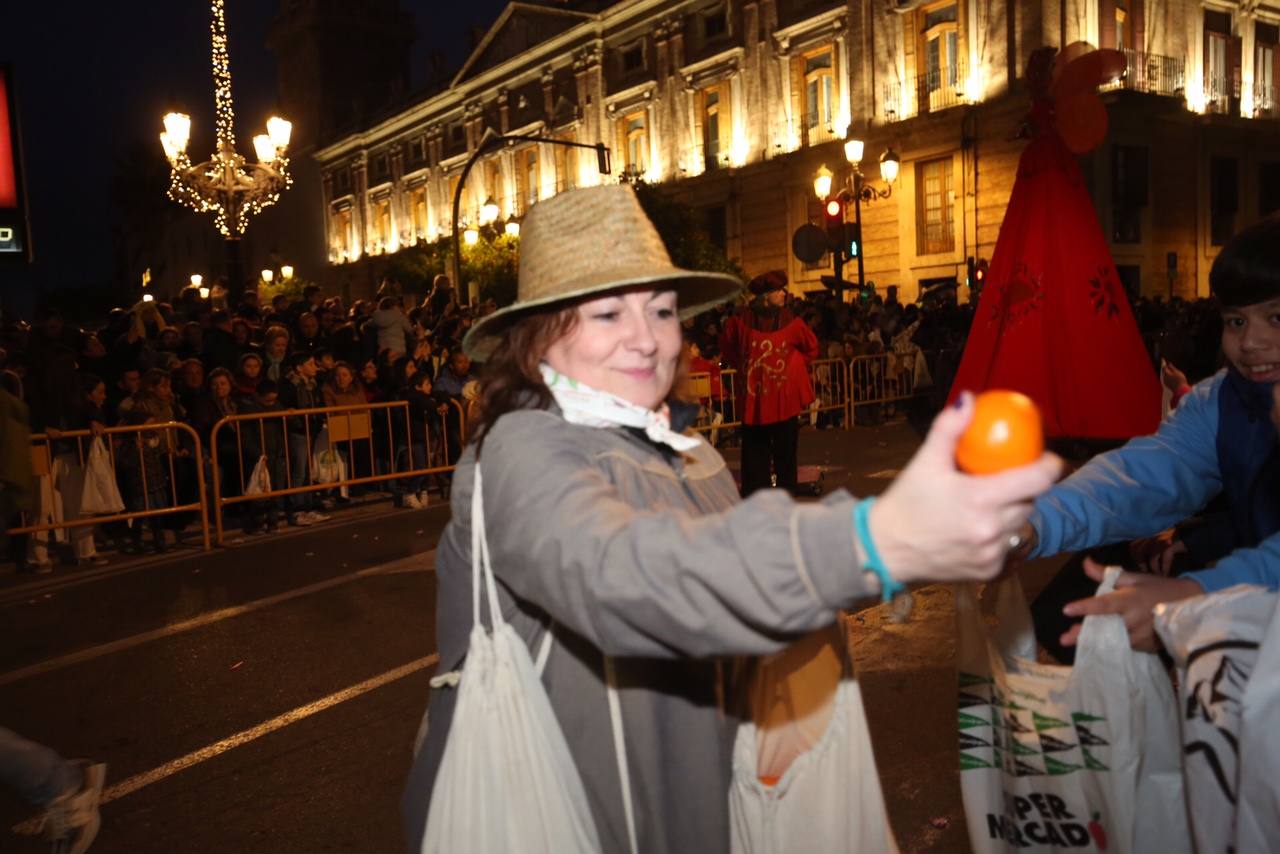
<point>1053,321</point>
<point>770,350</point>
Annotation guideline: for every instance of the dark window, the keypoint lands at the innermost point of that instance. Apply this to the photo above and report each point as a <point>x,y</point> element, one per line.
<point>456,133</point>
<point>380,169</point>
<point>633,58</point>
<point>1224,199</point>
<point>945,15</point>
<point>1128,192</point>
<point>1268,188</point>
<point>716,225</point>
<point>1131,277</point>
<point>1217,22</point>
<point>417,150</point>
<point>342,180</point>
<point>715,24</point>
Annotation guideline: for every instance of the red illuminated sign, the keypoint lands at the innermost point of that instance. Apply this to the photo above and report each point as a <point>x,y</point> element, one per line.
<point>14,240</point>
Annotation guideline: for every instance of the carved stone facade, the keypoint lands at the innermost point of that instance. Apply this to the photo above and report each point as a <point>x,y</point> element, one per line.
<point>733,105</point>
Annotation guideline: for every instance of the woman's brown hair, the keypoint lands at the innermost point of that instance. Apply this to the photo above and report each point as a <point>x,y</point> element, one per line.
<point>510,378</point>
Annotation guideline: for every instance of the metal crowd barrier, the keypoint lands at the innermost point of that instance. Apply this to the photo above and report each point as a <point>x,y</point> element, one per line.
<point>344,426</point>
<point>51,465</point>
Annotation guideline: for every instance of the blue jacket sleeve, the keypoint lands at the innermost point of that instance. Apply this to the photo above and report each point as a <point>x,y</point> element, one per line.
<point>1258,565</point>
<point>1146,486</point>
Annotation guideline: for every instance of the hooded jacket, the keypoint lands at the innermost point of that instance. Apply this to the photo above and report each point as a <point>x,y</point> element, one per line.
<point>652,559</point>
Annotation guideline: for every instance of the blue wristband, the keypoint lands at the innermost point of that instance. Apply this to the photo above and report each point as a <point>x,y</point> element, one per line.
<point>861,524</point>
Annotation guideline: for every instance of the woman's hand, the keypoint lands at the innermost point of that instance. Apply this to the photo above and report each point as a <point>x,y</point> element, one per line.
<point>935,523</point>
<point>1135,596</point>
<point>97,428</point>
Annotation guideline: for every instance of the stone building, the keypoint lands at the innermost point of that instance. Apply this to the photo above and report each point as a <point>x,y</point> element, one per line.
<point>734,105</point>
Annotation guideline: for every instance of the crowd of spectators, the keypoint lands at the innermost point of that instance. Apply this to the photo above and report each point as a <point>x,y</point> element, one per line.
<point>195,363</point>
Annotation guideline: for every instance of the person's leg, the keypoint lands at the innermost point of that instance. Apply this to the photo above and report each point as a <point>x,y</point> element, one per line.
<point>37,773</point>
<point>299,455</point>
<point>785,440</point>
<point>755,458</point>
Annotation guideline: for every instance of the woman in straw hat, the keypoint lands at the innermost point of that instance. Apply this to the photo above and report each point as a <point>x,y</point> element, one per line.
<point>625,535</point>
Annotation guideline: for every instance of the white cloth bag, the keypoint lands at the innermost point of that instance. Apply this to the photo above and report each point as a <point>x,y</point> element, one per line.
<point>100,496</point>
<point>1054,758</point>
<point>259,482</point>
<point>506,781</point>
<point>828,799</point>
<point>1217,643</point>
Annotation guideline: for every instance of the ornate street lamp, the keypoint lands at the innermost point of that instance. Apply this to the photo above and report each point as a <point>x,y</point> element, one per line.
<point>857,189</point>
<point>226,184</point>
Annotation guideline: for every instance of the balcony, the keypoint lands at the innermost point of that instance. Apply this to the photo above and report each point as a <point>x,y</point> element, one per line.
<point>1153,74</point>
<point>1221,95</point>
<point>931,92</point>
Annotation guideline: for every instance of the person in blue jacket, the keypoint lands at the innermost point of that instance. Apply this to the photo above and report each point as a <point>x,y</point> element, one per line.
<point>1221,439</point>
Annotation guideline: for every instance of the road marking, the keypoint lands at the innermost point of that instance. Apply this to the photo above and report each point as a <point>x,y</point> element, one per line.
<point>204,754</point>
<point>423,562</point>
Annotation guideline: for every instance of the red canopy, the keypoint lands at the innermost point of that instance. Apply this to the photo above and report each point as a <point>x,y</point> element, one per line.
<point>1053,321</point>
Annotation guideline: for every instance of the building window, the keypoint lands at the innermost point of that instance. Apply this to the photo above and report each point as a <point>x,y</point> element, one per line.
<point>715,23</point>
<point>342,181</point>
<point>417,151</point>
<point>1224,199</point>
<point>382,224</point>
<point>527,166</point>
<point>942,54</point>
<point>1268,188</point>
<point>633,139</point>
<point>1218,71</point>
<point>715,121</point>
<point>1128,192</point>
<point>935,217</point>
<point>493,182</point>
<point>566,166</point>
<point>1266,55</point>
<point>340,234</point>
<point>633,58</point>
<point>380,168</point>
<point>819,91</point>
<point>419,213</point>
<point>1122,23</point>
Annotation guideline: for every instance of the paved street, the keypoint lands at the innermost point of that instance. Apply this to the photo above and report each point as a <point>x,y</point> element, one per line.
<point>264,697</point>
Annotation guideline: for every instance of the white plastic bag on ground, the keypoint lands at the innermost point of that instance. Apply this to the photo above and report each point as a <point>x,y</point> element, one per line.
<point>100,496</point>
<point>259,482</point>
<point>1215,641</point>
<point>1258,816</point>
<point>1054,758</point>
<point>506,781</point>
<point>809,731</point>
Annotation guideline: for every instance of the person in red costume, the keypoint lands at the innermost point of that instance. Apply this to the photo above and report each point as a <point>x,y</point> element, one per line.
<point>770,349</point>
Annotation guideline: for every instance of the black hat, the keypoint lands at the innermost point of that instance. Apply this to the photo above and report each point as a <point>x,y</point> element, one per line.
<point>774,280</point>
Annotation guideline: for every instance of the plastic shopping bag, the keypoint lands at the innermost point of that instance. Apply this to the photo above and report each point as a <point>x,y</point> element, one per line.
<point>100,496</point>
<point>1258,816</point>
<point>1216,642</point>
<point>804,775</point>
<point>259,482</point>
<point>1054,758</point>
<point>506,781</point>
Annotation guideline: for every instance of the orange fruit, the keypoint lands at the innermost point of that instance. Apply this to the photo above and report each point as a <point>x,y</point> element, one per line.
<point>1005,433</point>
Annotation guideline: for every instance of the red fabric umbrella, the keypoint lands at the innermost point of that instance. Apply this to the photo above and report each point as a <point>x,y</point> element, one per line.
<point>1053,321</point>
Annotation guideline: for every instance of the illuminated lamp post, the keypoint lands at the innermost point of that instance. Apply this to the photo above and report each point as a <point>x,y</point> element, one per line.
<point>226,184</point>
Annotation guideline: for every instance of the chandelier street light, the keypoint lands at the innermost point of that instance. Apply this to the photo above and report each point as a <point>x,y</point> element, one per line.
<point>268,275</point>
<point>227,184</point>
<point>286,271</point>
<point>858,190</point>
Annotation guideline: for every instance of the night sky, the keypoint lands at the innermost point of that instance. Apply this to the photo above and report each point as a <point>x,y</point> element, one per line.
<point>94,79</point>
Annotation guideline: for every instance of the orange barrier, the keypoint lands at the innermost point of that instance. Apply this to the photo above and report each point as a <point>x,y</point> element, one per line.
<point>45,462</point>
<point>343,425</point>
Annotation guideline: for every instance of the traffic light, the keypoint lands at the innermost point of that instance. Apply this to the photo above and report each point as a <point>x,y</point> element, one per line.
<point>834,215</point>
<point>852,240</point>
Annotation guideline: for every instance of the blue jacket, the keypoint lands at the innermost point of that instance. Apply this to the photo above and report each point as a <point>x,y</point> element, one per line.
<point>1219,439</point>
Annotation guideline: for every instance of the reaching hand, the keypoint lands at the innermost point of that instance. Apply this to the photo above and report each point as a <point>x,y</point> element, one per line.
<point>1134,598</point>
<point>1172,378</point>
<point>935,523</point>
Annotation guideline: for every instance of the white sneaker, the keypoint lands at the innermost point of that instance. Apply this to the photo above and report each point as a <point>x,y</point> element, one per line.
<point>316,518</point>
<point>412,501</point>
<point>71,820</point>
<point>300,520</point>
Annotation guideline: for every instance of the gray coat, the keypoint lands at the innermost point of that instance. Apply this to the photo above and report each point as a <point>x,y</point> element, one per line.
<point>650,558</point>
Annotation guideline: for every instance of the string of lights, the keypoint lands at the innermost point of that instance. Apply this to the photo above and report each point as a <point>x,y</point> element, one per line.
<point>227,185</point>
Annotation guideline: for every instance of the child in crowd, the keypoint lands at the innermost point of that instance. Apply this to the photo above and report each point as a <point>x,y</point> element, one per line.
<point>1220,439</point>
<point>144,477</point>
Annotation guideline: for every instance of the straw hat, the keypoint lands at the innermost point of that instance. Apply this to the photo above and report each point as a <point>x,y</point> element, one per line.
<point>590,241</point>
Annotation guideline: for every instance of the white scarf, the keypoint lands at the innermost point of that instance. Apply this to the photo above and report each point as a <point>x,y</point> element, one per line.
<point>583,405</point>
